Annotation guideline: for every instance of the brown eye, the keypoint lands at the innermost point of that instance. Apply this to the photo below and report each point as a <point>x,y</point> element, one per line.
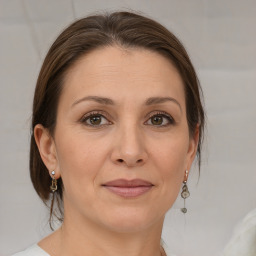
<point>157,120</point>
<point>160,120</point>
<point>95,120</point>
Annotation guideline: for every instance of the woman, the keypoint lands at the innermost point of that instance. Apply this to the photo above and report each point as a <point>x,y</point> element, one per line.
<point>117,122</point>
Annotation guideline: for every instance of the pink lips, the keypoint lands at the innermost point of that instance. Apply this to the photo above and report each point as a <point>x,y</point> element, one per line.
<point>128,188</point>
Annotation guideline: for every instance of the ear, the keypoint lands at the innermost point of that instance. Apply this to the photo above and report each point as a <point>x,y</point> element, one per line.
<point>192,149</point>
<point>47,149</point>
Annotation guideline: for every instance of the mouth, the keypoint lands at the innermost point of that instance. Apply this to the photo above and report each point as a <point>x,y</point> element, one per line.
<point>128,188</point>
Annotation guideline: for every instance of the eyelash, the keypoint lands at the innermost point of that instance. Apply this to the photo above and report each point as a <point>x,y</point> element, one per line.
<point>163,114</point>
<point>93,114</point>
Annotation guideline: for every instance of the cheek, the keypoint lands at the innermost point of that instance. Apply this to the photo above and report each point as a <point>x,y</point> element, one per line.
<point>170,159</point>
<point>79,160</point>
<point>171,155</point>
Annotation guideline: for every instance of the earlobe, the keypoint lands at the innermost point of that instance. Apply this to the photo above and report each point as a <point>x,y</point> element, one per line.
<point>46,147</point>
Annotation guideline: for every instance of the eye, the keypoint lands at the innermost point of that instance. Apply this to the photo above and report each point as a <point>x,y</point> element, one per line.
<point>160,119</point>
<point>95,119</point>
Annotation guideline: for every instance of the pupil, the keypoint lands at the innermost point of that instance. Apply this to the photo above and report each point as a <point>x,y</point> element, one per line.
<point>95,120</point>
<point>157,120</point>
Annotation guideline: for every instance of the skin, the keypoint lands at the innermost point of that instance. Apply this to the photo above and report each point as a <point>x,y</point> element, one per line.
<point>127,142</point>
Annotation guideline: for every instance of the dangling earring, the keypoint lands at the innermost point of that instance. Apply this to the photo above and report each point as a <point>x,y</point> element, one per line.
<point>54,186</point>
<point>185,193</point>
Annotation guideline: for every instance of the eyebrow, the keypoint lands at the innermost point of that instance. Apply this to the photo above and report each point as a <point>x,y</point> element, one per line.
<point>101,100</point>
<point>108,101</point>
<point>159,100</point>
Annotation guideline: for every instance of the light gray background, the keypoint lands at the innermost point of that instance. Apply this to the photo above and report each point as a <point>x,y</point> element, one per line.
<point>220,37</point>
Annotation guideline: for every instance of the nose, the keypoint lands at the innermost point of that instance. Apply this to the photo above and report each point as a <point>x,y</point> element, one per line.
<point>129,147</point>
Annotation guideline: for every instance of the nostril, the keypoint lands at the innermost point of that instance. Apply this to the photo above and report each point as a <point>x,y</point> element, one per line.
<point>130,163</point>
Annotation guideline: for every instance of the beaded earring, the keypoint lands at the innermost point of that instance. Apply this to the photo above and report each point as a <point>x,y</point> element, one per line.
<point>54,186</point>
<point>185,193</point>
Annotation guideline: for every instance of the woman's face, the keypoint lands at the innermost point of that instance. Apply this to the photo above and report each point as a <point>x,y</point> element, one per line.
<point>122,115</point>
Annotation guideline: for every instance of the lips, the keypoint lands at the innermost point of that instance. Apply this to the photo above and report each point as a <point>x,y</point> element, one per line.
<point>128,183</point>
<point>128,188</point>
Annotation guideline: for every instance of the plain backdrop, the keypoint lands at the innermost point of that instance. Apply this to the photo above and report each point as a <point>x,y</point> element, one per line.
<point>220,37</point>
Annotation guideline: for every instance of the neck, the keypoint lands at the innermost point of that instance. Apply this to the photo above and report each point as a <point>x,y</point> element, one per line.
<point>75,238</point>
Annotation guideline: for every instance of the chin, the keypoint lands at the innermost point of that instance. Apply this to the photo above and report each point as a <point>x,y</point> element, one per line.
<point>130,220</point>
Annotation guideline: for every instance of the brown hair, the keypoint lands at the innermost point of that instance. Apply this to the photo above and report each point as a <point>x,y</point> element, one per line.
<point>127,30</point>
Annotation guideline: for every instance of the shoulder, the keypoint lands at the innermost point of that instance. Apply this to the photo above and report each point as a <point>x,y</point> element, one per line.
<point>33,250</point>
<point>244,237</point>
<point>166,250</point>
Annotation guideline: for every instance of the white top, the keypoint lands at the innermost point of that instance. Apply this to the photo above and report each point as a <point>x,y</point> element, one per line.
<point>243,241</point>
<point>35,250</point>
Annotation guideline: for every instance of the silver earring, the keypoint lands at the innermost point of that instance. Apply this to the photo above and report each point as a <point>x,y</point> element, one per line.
<point>185,193</point>
<point>54,185</point>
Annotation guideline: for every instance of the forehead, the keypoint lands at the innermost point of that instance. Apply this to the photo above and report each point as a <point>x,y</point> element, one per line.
<point>124,74</point>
